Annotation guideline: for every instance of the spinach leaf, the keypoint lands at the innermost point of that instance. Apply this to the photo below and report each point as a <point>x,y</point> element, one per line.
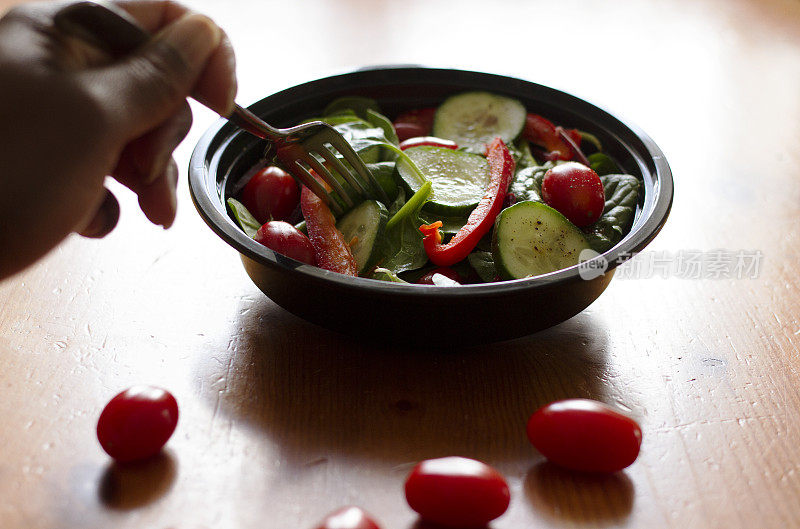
<point>246,220</point>
<point>449,224</point>
<point>402,248</point>
<point>354,104</point>
<point>383,274</point>
<point>622,195</point>
<point>527,184</point>
<point>395,206</point>
<point>383,171</point>
<point>521,151</point>
<point>483,264</point>
<point>361,135</point>
<point>379,120</point>
<point>603,164</point>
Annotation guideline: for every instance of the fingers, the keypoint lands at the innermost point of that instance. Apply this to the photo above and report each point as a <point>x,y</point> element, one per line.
<point>145,158</point>
<point>105,218</point>
<point>216,86</point>
<point>158,199</point>
<point>146,88</point>
<point>147,168</point>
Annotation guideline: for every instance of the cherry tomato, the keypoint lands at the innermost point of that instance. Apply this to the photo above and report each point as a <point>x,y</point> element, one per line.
<point>429,141</point>
<point>444,271</point>
<point>575,191</point>
<point>585,435</point>
<point>348,518</point>
<point>457,492</point>
<point>271,194</point>
<point>287,240</point>
<point>417,122</point>
<point>137,423</point>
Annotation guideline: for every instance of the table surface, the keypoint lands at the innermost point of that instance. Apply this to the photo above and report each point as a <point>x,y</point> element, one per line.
<point>282,421</point>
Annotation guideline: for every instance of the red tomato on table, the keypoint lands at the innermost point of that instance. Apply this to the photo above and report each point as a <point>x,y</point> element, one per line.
<point>137,423</point>
<point>586,435</point>
<point>457,492</point>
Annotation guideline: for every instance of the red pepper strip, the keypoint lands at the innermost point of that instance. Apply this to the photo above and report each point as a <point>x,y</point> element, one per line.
<point>542,132</point>
<point>330,249</point>
<point>481,220</point>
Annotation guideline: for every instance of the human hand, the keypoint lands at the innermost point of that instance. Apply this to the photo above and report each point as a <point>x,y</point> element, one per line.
<point>71,115</point>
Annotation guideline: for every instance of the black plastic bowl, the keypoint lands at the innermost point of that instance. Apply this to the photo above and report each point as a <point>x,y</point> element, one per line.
<point>430,315</point>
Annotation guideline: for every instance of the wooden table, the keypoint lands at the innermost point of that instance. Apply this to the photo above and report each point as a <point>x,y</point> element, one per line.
<point>282,421</point>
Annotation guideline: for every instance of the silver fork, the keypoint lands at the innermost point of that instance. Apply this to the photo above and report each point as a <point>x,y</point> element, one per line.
<point>299,150</point>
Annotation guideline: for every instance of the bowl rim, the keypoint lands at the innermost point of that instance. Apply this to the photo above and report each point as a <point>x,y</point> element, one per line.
<point>213,212</point>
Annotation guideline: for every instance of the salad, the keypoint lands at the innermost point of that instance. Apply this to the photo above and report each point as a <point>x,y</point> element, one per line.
<point>479,190</point>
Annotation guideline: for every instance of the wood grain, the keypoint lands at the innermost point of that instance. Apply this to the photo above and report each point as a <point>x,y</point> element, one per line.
<point>281,421</point>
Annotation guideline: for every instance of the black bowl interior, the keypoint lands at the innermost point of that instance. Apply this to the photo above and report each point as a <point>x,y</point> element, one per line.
<point>225,154</point>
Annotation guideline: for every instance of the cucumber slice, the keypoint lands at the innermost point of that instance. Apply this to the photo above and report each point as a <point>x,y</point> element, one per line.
<point>531,238</point>
<point>459,179</point>
<point>366,223</point>
<point>473,119</point>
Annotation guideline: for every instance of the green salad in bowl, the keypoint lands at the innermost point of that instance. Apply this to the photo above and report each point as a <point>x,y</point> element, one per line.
<point>480,189</point>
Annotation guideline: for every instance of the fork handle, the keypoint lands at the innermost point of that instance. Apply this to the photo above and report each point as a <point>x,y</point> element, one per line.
<point>113,30</point>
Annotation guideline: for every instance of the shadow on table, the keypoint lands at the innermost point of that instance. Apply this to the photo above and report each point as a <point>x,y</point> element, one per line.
<point>132,485</point>
<point>314,391</point>
<point>579,497</point>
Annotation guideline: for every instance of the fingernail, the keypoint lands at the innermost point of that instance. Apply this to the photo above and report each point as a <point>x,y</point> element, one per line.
<point>194,36</point>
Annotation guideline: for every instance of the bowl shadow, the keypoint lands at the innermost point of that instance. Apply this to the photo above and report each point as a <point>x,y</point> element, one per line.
<point>315,392</point>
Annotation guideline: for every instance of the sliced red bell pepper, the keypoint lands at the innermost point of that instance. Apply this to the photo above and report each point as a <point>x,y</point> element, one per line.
<point>542,132</point>
<point>481,220</point>
<point>330,249</point>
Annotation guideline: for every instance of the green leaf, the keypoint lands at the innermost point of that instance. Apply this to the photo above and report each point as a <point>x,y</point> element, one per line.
<point>521,151</point>
<point>402,247</point>
<point>450,225</point>
<point>384,274</point>
<point>591,139</point>
<point>379,120</point>
<point>603,164</point>
<point>527,184</point>
<point>412,207</point>
<point>483,264</point>
<point>354,104</point>
<point>622,196</point>
<point>246,220</point>
<point>383,171</point>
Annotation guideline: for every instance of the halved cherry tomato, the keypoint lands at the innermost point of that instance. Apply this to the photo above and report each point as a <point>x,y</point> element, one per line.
<point>444,271</point>
<point>348,518</point>
<point>271,194</point>
<point>287,240</point>
<point>137,423</point>
<point>586,435</point>
<point>457,492</point>
<point>429,141</point>
<point>417,122</point>
<point>575,191</point>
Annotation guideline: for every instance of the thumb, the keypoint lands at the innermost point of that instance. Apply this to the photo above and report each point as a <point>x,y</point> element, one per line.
<point>147,87</point>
